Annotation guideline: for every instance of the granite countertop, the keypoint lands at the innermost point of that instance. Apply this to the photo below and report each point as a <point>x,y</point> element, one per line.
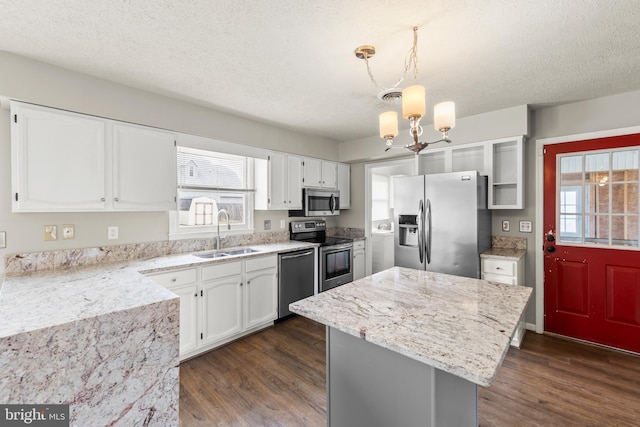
<point>48,298</point>
<point>507,253</point>
<point>459,325</point>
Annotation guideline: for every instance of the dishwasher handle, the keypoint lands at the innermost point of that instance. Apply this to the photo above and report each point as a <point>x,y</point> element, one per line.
<point>296,255</point>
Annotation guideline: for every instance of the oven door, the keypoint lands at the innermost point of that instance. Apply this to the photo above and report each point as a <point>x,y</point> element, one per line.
<point>336,266</point>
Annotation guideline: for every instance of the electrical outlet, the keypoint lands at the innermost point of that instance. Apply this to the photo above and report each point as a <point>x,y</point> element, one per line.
<point>50,232</point>
<point>68,231</point>
<point>526,227</point>
<point>3,239</point>
<point>283,224</point>
<point>112,232</point>
<point>267,224</point>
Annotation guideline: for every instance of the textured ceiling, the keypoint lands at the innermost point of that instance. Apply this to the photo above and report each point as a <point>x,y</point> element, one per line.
<point>291,62</point>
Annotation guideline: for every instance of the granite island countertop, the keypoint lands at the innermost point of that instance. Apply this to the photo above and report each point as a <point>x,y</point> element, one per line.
<point>49,298</point>
<point>459,325</point>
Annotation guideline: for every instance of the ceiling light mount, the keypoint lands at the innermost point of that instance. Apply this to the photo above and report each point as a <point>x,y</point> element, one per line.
<point>365,51</point>
<point>413,103</point>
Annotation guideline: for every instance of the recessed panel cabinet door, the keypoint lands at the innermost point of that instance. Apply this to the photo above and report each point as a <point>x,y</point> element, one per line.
<point>222,309</point>
<point>261,297</point>
<point>144,168</point>
<point>58,161</point>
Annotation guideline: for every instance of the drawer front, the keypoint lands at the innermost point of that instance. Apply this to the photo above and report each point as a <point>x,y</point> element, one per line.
<point>175,278</point>
<point>359,244</point>
<point>261,263</point>
<point>498,266</point>
<point>225,269</point>
<point>507,280</point>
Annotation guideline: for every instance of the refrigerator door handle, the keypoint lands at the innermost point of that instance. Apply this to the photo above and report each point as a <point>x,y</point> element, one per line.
<point>421,230</point>
<point>428,226</point>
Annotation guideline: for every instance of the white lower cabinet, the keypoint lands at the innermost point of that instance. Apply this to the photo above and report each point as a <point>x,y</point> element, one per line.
<point>509,271</point>
<point>184,283</point>
<point>221,302</point>
<point>359,270</point>
<point>260,292</point>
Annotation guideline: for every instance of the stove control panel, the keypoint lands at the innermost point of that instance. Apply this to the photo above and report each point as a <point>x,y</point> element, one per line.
<point>307,225</point>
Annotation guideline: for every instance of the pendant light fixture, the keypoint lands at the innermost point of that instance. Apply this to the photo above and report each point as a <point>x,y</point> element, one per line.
<point>413,104</point>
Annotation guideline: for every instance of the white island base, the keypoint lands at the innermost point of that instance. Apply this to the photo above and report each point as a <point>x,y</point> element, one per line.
<point>368,385</point>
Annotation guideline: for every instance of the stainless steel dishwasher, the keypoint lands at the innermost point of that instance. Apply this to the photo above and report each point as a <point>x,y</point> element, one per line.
<point>295,278</point>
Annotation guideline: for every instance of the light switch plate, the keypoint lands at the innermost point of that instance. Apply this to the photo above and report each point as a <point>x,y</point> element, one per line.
<point>50,232</point>
<point>283,224</point>
<point>267,224</point>
<point>68,231</point>
<point>3,239</point>
<point>526,227</point>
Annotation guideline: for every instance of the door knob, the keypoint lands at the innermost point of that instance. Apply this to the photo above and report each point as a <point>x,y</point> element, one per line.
<point>551,249</point>
<point>550,238</point>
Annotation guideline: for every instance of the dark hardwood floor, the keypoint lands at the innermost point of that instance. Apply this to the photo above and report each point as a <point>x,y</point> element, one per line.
<point>277,378</point>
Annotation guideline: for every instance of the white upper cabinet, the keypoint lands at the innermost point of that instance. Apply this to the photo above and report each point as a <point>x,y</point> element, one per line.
<point>149,184</point>
<point>501,160</point>
<point>506,178</point>
<point>294,182</point>
<point>69,162</point>
<point>344,185</point>
<point>58,160</point>
<point>320,173</point>
<point>278,182</point>
<point>329,174</point>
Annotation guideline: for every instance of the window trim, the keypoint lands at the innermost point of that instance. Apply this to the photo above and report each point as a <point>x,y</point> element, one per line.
<point>179,232</point>
<point>582,215</point>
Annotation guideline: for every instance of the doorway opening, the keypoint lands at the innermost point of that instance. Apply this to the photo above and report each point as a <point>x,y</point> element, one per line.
<point>379,227</point>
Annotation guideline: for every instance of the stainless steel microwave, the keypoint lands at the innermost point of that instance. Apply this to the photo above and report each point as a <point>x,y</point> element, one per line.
<point>318,202</point>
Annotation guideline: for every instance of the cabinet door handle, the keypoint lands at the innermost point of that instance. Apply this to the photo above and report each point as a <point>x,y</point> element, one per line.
<point>173,279</point>
<point>195,295</point>
<point>498,268</point>
<point>102,199</point>
<point>116,199</point>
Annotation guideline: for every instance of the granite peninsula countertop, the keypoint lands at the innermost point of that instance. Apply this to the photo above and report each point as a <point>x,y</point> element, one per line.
<point>43,299</point>
<point>456,324</point>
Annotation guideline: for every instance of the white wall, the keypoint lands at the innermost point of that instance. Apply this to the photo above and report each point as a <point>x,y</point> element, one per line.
<point>31,81</point>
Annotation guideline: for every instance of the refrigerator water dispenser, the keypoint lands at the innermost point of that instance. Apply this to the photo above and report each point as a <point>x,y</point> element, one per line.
<point>408,230</point>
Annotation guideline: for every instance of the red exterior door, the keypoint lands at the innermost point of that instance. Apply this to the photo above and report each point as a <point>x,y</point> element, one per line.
<point>592,252</point>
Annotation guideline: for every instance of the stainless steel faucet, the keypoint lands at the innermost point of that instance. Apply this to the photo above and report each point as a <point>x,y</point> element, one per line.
<point>222,211</point>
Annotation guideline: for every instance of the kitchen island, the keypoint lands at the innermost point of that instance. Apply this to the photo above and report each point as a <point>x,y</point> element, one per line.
<point>409,347</point>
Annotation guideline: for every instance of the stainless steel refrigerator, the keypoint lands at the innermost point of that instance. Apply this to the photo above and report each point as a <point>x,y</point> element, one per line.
<point>442,222</point>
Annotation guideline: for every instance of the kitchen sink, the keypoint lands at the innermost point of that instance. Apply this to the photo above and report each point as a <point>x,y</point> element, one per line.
<point>222,254</point>
<point>241,251</point>
<point>211,255</point>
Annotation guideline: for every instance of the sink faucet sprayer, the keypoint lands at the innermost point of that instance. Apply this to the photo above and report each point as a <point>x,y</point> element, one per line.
<point>226,214</point>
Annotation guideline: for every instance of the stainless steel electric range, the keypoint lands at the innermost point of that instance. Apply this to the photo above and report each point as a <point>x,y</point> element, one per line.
<point>335,257</point>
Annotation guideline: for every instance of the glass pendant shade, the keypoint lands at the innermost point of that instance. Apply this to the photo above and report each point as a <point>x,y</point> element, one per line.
<point>413,101</point>
<point>389,124</point>
<point>444,115</point>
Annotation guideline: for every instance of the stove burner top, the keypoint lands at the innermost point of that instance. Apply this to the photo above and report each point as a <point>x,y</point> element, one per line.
<point>313,231</point>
